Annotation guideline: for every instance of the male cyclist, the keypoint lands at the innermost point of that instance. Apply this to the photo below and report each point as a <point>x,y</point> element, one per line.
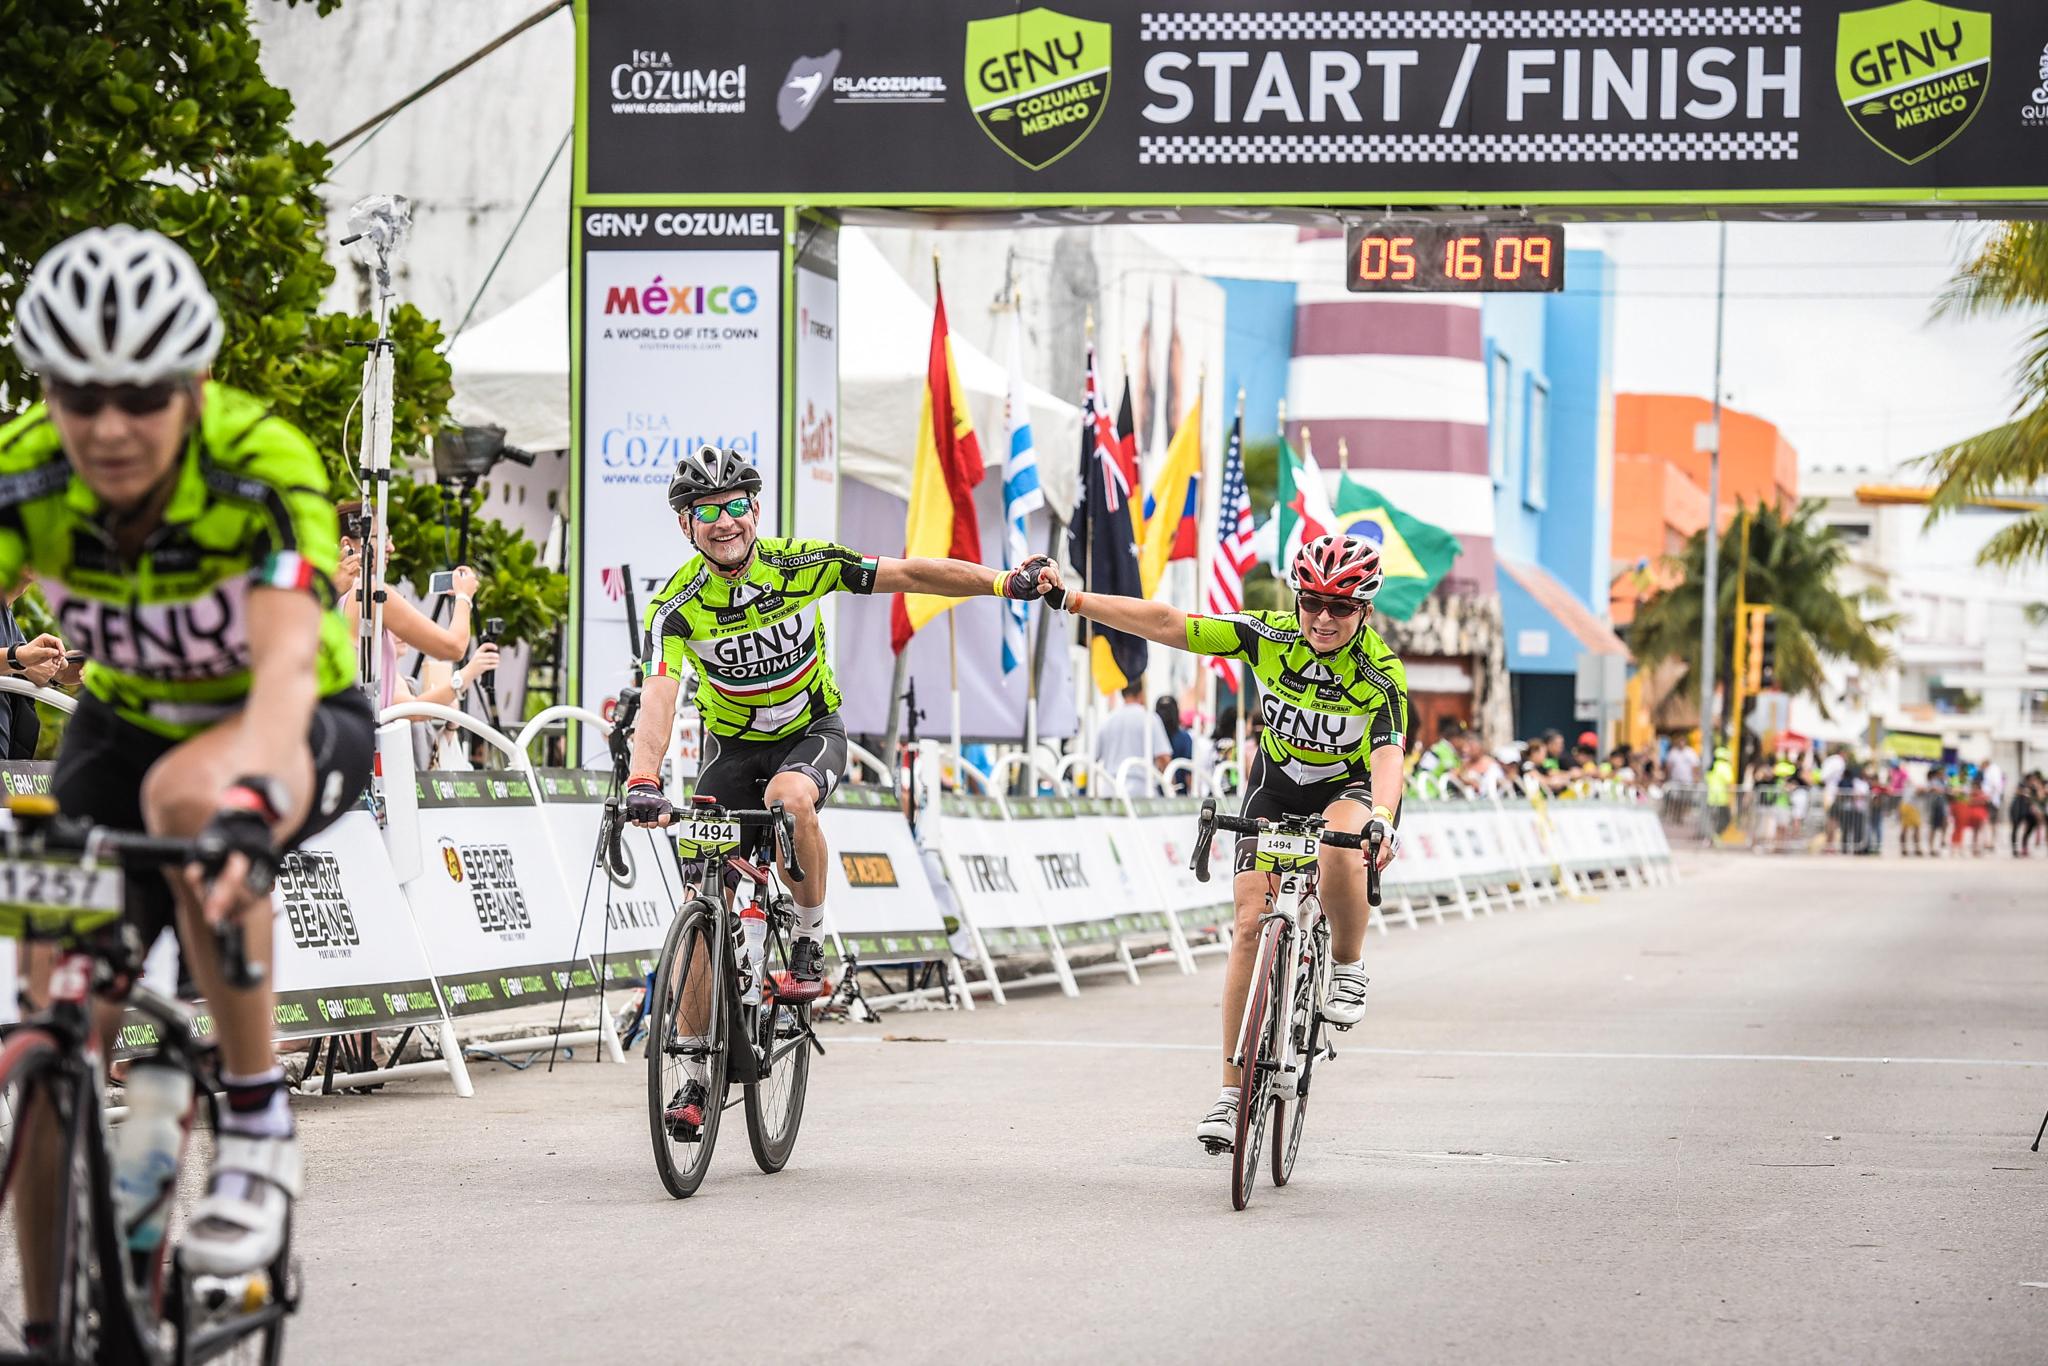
<point>742,614</point>
<point>184,538</point>
<point>1335,707</point>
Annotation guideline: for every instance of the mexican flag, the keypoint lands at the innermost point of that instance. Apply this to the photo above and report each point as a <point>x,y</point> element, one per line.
<point>1302,511</point>
<point>1413,554</point>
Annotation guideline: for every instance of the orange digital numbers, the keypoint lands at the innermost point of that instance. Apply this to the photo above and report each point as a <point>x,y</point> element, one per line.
<point>1463,260</point>
<point>1507,259</point>
<point>1386,258</point>
<point>1537,251</point>
<point>1457,259</point>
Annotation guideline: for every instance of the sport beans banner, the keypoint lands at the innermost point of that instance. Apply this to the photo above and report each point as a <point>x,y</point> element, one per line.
<point>972,103</point>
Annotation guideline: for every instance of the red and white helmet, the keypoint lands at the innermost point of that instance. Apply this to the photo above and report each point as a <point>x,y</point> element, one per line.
<point>1337,567</point>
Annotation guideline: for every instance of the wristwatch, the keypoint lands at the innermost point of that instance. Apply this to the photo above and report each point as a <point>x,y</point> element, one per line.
<point>14,660</point>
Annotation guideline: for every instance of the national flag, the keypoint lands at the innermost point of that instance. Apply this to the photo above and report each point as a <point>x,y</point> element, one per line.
<point>1101,540</point>
<point>1302,511</point>
<point>1127,461</point>
<point>1021,496</point>
<point>1414,555</point>
<point>940,523</point>
<point>1170,509</point>
<point>1233,556</point>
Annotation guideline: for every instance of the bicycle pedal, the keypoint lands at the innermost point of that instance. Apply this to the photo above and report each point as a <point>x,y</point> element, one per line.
<point>785,987</point>
<point>1217,1147</point>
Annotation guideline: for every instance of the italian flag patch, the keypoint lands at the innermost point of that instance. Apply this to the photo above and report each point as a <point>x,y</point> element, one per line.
<point>286,569</point>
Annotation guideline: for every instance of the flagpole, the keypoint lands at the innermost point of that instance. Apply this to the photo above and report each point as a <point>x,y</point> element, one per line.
<point>1037,660</point>
<point>1343,457</point>
<point>953,660</point>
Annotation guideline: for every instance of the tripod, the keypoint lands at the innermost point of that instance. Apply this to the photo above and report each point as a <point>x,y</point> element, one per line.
<point>2038,1132</point>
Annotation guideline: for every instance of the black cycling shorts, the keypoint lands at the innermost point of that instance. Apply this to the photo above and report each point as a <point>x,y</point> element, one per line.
<point>1270,794</point>
<point>103,760</point>
<point>735,773</point>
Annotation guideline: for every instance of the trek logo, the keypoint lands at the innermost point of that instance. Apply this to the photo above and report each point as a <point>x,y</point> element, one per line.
<point>1318,731</point>
<point>182,642</point>
<point>989,873</point>
<point>650,82</point>
<point>662,299</point>
<point>316,909</point>
<point>807,79</point>
<point>1062,872</point>
<point>1037,81</point>
<point>868,870</point>
<point>1913,75</point>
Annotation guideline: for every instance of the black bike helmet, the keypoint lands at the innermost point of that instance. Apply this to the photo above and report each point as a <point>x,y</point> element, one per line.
<point>710,470</point>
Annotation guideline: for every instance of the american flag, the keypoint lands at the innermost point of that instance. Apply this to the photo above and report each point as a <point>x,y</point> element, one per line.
<point>1233,555</point>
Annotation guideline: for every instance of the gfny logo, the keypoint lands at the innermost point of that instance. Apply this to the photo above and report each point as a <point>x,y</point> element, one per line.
<point>1037,81</point>
<point>1913,75</point>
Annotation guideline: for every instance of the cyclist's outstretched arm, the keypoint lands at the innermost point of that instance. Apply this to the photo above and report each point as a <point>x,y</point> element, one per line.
<point>1152,620</point>
<point>944,578</point>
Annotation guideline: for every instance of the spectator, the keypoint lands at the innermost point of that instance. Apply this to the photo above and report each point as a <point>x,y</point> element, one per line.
<point>1441,760</point>
<point>2027,812</point>
<point>40,662</point>
<point>403,622</point>
<point>1683,763</point>
<point>1132,731</point>
<point>1182,741</point>
<point>1912,820</point>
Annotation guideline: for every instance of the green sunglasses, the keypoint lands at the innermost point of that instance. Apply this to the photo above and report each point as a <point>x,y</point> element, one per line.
<point>707,513</point>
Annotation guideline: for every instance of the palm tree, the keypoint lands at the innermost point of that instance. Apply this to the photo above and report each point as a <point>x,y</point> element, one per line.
<point>1793,561</point>
<point>2008,275</point>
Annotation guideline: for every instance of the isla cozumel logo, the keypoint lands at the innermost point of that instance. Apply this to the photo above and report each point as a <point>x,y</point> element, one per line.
<point>1037,81</point>
<point>1912,75</point>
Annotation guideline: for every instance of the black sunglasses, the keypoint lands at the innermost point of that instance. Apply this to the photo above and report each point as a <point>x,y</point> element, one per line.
<point>1340,608</point>
<point>136,400</point>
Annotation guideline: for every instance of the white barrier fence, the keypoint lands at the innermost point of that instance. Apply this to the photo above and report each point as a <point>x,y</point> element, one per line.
<point>485,891</point>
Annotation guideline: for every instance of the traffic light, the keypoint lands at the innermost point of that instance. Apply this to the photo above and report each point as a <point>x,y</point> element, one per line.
<point>1753,648</point>
<point>1766,665</point>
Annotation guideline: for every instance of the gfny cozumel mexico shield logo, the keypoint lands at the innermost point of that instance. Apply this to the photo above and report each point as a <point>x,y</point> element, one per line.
<point>1037,81</point>
<point>1912,75</point>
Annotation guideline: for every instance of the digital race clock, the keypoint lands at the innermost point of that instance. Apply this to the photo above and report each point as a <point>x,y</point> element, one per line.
<point>1427,258</point>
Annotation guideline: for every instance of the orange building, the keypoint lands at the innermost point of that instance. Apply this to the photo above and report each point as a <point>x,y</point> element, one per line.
<point>1660,483</point>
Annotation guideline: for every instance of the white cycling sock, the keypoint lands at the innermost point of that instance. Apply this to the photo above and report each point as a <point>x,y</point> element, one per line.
<point>696,1069</point>
<point>256,1105</point>
<point>810,921</point>
<point>1229,1095</point>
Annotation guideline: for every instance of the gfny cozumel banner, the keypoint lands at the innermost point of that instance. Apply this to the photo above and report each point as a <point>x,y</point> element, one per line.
<point>681,347</point>
<point>954,103</point>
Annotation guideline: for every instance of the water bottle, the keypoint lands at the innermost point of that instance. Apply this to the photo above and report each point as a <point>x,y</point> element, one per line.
<point>754,926</point>
<point>146,1147</point>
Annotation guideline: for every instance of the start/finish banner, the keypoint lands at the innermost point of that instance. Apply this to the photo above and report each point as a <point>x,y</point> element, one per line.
<point>977,104</point>
<point>681,347</point>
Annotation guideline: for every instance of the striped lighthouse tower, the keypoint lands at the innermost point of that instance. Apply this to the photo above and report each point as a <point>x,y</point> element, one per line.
<point>1401,380</point>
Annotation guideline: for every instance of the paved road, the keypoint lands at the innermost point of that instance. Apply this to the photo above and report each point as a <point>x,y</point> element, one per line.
<point>1779,1112</point>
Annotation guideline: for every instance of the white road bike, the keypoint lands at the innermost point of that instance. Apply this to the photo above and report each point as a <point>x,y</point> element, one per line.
<point>1281,1035</point>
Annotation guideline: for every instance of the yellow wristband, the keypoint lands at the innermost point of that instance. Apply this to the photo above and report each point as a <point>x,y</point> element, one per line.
<point>997,588</point>
<point>1383,814</point>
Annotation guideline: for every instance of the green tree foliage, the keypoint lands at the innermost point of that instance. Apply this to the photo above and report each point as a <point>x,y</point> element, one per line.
<point>157,113</point>
<point>1793,561</point>
<point>2009,275</point>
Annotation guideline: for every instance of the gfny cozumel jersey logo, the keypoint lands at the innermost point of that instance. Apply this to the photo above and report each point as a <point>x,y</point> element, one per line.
<point>1912,75</point>
<point>1037,81</point>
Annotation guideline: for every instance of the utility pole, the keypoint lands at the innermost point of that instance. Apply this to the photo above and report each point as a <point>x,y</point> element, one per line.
<point>1710,589</point>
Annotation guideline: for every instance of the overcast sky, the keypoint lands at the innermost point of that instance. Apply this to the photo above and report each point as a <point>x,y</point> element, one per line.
<point>1828,333</point>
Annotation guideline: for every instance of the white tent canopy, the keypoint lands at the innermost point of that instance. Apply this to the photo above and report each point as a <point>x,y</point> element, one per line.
<point>512,369</point>
<point>885,334</point>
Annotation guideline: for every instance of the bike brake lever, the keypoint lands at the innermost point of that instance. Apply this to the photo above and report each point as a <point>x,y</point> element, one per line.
<point>785,836</point>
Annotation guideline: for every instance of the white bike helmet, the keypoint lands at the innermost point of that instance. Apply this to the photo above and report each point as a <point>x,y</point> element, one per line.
<point>116,305</point>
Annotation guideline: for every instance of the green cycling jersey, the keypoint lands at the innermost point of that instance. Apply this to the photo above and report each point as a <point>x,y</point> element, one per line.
<point>1324,715</point>
<point>756,643</point>
<point>167,632</point>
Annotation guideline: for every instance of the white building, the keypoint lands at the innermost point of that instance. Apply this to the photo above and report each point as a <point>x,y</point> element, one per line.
<point>1970,659</point>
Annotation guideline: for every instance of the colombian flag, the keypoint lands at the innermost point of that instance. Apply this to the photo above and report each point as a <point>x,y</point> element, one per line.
<point>940,523</point>
<point>1170,509</point>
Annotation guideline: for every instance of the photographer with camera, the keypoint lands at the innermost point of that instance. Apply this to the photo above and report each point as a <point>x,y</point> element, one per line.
<point>403,622</point>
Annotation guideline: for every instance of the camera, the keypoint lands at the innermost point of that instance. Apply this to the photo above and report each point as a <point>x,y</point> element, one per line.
<point>356,526</point>
<point>493,628</point>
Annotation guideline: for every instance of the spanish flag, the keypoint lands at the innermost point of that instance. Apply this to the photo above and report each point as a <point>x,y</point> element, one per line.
<point>940,523</point>
<point>1170,520</point>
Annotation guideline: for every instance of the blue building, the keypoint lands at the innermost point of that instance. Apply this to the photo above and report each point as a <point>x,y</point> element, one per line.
<point>1549,362</point>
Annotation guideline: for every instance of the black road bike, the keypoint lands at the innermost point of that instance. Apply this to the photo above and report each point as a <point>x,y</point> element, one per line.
<point>717,1018</point>
<point>62,882</point>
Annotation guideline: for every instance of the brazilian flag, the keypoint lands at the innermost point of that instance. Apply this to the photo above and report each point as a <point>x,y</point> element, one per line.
<point>1414,555</point>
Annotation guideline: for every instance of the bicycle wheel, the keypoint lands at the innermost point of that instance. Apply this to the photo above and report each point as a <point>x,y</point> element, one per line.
<point>43,1104</point>
<point>689,957</point>
<point>1290,1111</point>
<point>1262,1049</point>
<point>775,1104</point>
<point>238,1319</point>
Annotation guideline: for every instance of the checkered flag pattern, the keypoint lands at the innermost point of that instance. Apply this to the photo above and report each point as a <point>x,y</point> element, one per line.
<point>1461,148</point>
<point>1626,21</point>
